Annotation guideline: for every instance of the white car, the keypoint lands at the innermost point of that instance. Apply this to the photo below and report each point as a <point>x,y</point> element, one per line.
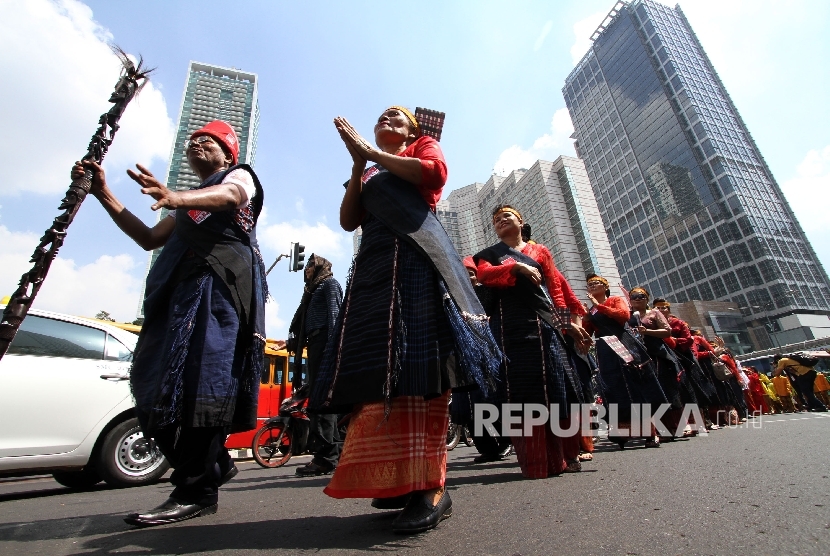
<point>66,407</point>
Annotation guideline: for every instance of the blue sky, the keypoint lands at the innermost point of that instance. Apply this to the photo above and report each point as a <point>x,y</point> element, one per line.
<point>495,68</point>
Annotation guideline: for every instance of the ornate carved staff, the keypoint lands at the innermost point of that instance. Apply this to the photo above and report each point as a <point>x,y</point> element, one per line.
<point>133,78</point>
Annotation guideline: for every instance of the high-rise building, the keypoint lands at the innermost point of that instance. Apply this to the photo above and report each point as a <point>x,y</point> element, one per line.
<point>465,203</point>
<point>555,198</point>
<point>690,206</point>
<point>211,93</point>
<point>449,219</point>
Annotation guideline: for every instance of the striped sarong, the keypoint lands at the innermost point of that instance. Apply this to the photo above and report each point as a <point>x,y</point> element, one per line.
<point>406,452</point>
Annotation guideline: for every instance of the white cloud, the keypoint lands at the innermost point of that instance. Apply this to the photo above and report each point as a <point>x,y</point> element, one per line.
<point>583,29</point>
<point>547,147</point>
<point>299,206</point>
<point>64,73</point>
<point>274,325</point>
<point>806,192</point>
<point>286,287</point>
<point>107,284</point>
<point>543,35</point>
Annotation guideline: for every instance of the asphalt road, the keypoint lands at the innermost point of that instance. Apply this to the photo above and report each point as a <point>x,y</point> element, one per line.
<point>738,491</point>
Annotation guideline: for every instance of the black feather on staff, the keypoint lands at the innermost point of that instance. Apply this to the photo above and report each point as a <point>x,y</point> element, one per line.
<point>132,80</point>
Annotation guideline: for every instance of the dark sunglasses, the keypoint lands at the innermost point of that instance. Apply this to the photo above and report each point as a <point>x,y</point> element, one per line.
<point>638,296</point>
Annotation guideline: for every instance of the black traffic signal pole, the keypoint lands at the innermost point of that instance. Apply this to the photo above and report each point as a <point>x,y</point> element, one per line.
<point>297,257</point>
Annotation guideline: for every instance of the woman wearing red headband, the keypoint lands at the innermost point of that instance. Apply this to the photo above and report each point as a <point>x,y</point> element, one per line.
<point>410,329</point>
<point>528,314</point>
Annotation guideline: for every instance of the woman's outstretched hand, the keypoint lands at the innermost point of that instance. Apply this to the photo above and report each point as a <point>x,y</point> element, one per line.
<point>151,186</point>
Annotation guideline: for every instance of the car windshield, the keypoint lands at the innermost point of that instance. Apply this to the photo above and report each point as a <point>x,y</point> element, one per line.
<point>117,351</point>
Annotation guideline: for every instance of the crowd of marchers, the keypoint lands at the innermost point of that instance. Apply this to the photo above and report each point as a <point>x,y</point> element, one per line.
<point>416,322</point>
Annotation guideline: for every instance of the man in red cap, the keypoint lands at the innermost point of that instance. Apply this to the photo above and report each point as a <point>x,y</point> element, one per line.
<point>195,372</point>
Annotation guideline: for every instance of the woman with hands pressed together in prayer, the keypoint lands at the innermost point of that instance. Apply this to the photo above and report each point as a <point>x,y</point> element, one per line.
<point>410,328</point>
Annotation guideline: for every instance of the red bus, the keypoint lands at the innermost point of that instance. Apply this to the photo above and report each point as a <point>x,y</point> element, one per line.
<point>275,385</point>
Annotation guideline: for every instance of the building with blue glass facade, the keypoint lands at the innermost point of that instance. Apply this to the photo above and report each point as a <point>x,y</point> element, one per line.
<point>691,208</point>
<point>210,93</point>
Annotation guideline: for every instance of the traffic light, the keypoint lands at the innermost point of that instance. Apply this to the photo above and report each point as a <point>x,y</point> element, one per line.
<point>297,258</point>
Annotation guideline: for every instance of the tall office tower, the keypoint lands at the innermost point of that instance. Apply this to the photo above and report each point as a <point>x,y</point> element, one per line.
<point>555,198</point>
<point>210,93</point>
<point>690,205</point>
<point>449,219</point>
<point>464,202</point>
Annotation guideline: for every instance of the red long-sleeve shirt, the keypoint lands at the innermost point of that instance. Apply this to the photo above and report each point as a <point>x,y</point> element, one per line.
<point>433,168</point>
<point>681,333</point>
<point>733,366</point>
<point>614,307</point>
<point>702,348</point>
<point>501,276</point>
<point>571,300</point>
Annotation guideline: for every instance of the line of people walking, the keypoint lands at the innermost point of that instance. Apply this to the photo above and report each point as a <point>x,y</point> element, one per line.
<point>414,324</point>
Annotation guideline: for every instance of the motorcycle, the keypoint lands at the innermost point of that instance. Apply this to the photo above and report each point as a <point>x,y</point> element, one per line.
<point>278,438</point>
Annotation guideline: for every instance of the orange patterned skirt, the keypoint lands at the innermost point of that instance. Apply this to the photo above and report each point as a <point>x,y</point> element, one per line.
<point>405,453</point>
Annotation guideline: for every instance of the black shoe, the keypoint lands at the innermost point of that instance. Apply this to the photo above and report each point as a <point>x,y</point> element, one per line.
<point>170,512</point>
<point>394,503</point>
<point>313,470</point>
<point>229,474</point>
<point>419,515</point>
<point>487,458</point>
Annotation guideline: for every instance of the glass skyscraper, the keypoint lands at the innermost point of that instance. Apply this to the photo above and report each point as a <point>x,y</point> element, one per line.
<point>691,207</point>
<point>210,93</point>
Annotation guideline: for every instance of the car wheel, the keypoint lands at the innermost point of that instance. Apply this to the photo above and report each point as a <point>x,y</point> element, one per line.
<point>128,459</point>
<point>78,479</point>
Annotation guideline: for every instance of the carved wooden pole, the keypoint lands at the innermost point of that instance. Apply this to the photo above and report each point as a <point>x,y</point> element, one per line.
<point>133,78</point>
